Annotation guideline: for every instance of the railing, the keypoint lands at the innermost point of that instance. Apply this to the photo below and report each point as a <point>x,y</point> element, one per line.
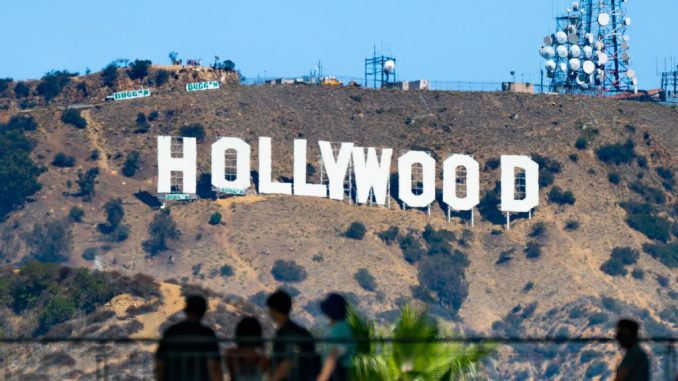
<point>511,358</point>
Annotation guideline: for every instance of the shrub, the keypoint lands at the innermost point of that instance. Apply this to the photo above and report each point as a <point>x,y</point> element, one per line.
<point>50,241</point>
<point>665,174</point>
<point>581,143</point>
<point>533,250</point>
<point>571,225</point>
<point>356,231</point>
<point>365,280</point>
<point>153,115</point>
<point>141,119</point>
<point>444,275</point>
<point>72,116</point>
<point>638,273</point>
<point>90,253</point>
<point>120,233</point>
<point>109,75</point>
<point>138,69</point>
<point>648,193</point>
<point>21,90</point>
<point>76,214</point>
<point>161,230</point>
<point>131,164</point>
<point>58,310</point>
<point>63,161</point>
<point>613,267</point>
<point>87,181</point>
<point>557,196</point>
<point>595,369</point>
<point>288,271</point>
<point>597,318</point>
<point>617,153</point>
<point>546,178</point>
<point>389,235</point>
<point>215,218</point>
<point>356,98</point>
<point>489,207</point>
<point>663,281</point>
<point>194,130</point>
<point>226,271</point>
<point>547,164</point>
<point>505,257</point>
<point>412,249</point>
<point>538,230</point>
<point>52,83</point>
<point>4,84</point>
<point>643,218</point>
<point>664,253</point>
<point>574,157</point>
<point>114,212</point>
<point>492,164</point>
<point>161,77</point>
<point>626,255</point>
<point>613,178</point>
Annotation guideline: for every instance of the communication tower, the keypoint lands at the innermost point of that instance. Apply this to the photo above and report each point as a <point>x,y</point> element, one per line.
<point>589,52</point>
<point>380,70</point>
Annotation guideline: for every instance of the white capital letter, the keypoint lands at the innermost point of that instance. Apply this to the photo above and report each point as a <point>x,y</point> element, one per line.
<point>301,187</point>
<point>472,182</point>
<point>372,173</point>
<point>266,185</point>
<point>335,169</point>
<point>242,150</point>
<point>185,164</point>
<point>428,164</point>
<point>509,163</point>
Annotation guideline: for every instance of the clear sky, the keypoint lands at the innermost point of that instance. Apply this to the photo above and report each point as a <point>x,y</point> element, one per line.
<point>479,40</point>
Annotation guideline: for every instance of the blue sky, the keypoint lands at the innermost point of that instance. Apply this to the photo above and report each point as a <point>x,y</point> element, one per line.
<point>432,39</point>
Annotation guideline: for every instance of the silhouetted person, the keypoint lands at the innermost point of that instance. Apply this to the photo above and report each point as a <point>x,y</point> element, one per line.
<point>338,355</point>
<point>247,362</point>
<point>294,357</point>
<point>635,366</point>
<point>189,351</point>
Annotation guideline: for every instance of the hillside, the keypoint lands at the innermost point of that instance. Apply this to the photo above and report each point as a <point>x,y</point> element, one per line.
<point>256,230</point>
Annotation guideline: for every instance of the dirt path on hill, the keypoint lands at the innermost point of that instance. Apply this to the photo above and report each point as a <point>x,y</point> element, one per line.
<point>95,136</point>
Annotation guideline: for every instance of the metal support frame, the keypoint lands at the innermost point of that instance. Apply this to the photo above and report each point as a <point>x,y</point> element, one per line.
<point>348,180</point>
<point>374,71</point>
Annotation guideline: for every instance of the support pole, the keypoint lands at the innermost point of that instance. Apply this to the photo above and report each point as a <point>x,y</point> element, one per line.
<point>508,221</point>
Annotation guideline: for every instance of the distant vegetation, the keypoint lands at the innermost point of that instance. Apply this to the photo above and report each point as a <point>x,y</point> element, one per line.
<point>162,230</point>
<point>664,253</point>
<point>288,271</point>
<point>587,135</point>
<point>619,258</point>
<point>72,116</point>
<point>63,161</point>
<point>389,235</point>
<point>617,153</point>
<point>21,90</point>
<point>131,164</point>
<point>644,218</point>
<point>50,241</point>
<point>215,218</point>
<point>76,214</point>
<point>356,231</point>
<point>193,130</point>
<point>109,75</point>
<point>87,182</point>
<point>53,83</point>
<point>138,69</point>
<point>365,279</point>
<point>560,197</point>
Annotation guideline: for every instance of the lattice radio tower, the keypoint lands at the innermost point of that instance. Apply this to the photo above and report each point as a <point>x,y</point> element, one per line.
<point>589,52</point>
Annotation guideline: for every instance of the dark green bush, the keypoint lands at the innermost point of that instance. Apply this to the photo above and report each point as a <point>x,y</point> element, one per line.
<point>365,280</point>
<point>571,225</point>
<point>626,255</point>
<point>598,318</point>
<point>617,153</point>
<point>76,214</point>
<point>153,116</point>
<point>109,75</point>
<point>72,116</point>
<point>115,212</point>
<point>356,231</point>
<point>21,90</point>
<point>643,218</point>
<point>412,249</point>
<point>63,161</point>
<point>226,271</point>
<point>161,77</point>
<point>53,83</point>
<point>288,271</point>
<point>50,241</point>
<point>665,173</point>
<point>444,276</point>
<point>664,253</point>
<point>194,130</point>
<point>389,235</point>
<point>4,84</point>
<point>533,250</point>
<point>87,182</point>
<point>581,143</point>
<point>614,178</point>
<point>613,267</point>
<point>161,230</point>
<point>538,230</point>
<point>131,164</point>
<point>90,253</point>
<point>138,69</point>
<point>638,273</point>
<point>642,161</point>
<point>648,193</point>
<point>215,218</point>
<point>557,196</point>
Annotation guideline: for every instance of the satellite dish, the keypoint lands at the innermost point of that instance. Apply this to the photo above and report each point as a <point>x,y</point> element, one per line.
<point>603,19</point>
<point>550,65</point>
<point>573,38</point>
<point>389,66</point>
<point>590,38</point>
<point>575,64</point>
<point>588,52</point>
<point>562,51</point>
<point>575,51</point>
<point>602,58</point>
<point>600,45</point>
<point>625,45</point>
<point>589,67</point>
<point>630,73</point>
<point>563,66</point>
<point>627,21</point>
<point>561,37</point>
<point>601,75</point>
<point>547,52</point>
<point>627,38</point>
<point>634,81</point>
<point>626,57</point>
<point>548,40</point>
<point>583,80</point>
<point>575,5</point>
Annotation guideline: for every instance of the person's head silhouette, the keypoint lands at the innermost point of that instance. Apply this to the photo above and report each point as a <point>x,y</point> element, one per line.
<point>334,307</point>
<point>627,333</point>
<point>196,306</point>
<point>248,332</point>
<point>279,306</point>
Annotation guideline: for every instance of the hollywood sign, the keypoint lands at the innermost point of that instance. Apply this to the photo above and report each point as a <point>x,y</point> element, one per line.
<point>371,172</point>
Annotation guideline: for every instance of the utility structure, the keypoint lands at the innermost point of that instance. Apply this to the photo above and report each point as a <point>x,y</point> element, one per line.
<point>669,86</point>
<point>589,52</point>
<point>379,71</point>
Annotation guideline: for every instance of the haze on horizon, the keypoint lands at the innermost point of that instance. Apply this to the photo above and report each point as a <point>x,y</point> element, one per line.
<point>431,39</point>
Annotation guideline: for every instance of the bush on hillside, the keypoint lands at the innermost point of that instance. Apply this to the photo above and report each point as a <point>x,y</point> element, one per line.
<point>444,276</point>
<point>365,280</point>
<point>53,83</point>
<point>412,249</point>
<point>613,178</point>
<point>617,153</point>
<point>626,255</point>
<point>644,218</point>
<point>161,77</point>
<point>109,75</point>
<point>21,90</point>
<point>115,212</point>
<point>4,84</point>
<point>356,231</point>
<point>62,160</point>
<point>50,241</point>
<point>533,250</point>
<point>215,218</point>
<point>557,196</point>
<point>162,230</point>
<point>664,253</point>
<point>131,164</point>
<point>72,116</point>
<point>389,235</point>
<point>288,271</point>
<point>571,225</point>
<point>648,193</point>
<point>76,214</point>
<point>138,69</point>
<point>538,230</point>
<point>87,182</point>
<point>90,253</point>
<point>193,130</point>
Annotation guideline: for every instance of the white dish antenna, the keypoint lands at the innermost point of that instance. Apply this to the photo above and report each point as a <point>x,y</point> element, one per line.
<point>573,38</point>
<point>634,81</point>
<point>627,21</point>
<point>548,40</point>
<point>583,81</point>
<point>588,52</point>
<point>561,37</point>
<point>389,66</point>
<point>603,19</point>
<point>575,64</point>
<point>627,38</point>
<point>600,45</point>
<point>575,51</point>
<point>589,67</point>
<point>547,52</point>
<point>630,73</point>
<point>602,58</point>
<point>626,57</point>
<point>625,45</point>
<point>550,65</point>
<point>563,66</point>
<point>562,51</point>
<point>590,38</point>
<point>575,5</point>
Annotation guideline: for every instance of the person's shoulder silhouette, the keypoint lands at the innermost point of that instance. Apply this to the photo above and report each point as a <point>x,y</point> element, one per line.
<point>635,365</point>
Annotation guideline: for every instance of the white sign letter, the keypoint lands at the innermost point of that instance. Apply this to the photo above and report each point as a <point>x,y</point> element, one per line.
<point>185,164</point>
<point>301,187</point>
<point>266,185</point>
<point>472,181</point>
<point>509,163</point>
<point>371,173</point>
<point>335,169</point>
<point>428,165</point>
<point>242,177</point>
